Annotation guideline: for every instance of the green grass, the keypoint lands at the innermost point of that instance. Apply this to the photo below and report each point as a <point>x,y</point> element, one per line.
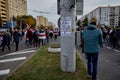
<point>46,66</point>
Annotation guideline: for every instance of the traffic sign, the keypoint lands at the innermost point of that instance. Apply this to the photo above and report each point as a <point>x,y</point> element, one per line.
<point>78,3</point>
<point>79,7</point>
<point>58,7</point>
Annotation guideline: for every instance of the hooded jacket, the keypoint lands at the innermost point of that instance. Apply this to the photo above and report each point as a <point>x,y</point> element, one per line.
<point>92,39</point>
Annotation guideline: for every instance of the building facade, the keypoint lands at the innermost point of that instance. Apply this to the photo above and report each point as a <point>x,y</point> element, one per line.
<point>9,8</point>
<point>17,7</point>
<point>41,20</point>
<point>106,16</point>
<point>4,14</point>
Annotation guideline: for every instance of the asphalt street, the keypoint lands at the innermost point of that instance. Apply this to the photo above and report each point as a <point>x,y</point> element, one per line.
<point>108,67</point>
<point>109,63</point>
<point>11,60</point>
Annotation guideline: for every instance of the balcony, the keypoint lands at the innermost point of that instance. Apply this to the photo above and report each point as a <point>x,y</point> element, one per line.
<point>3,6</point>
<point>3,13</point>
<point>3,2</point>
<point>3,9</point>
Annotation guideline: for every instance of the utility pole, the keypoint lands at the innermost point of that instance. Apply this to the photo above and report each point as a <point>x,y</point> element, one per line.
<point>12,26</point>
<point>67,25</point>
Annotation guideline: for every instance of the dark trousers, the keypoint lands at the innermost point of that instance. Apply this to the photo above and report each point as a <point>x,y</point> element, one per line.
<point>30,41</point>
<point>92,61</point>
<point>47,40</point>
<point>16,45</point>
<point>3,46</point>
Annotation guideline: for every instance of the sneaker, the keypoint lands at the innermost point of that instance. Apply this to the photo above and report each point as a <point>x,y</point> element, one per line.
<point>89,77</point>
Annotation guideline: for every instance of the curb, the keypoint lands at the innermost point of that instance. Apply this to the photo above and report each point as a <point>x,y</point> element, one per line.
<point>54,49</point>
<point>83,60</point>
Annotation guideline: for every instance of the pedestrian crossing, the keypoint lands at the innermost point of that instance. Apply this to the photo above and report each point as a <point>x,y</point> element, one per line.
<point>4,72</point>
<point>111,48</point>
<point>15,53</point>
<point>13,58</point>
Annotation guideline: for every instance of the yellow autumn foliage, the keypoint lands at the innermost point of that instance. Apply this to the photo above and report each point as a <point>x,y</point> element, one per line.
<point>30,21</point>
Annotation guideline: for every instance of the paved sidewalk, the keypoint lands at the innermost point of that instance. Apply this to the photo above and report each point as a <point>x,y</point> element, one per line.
<point>52,41</point>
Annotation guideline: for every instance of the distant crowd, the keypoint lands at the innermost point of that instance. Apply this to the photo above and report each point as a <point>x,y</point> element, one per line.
<point>33,37</point>
<point>111,36</point>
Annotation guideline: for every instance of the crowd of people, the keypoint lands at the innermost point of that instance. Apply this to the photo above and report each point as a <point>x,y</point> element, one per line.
<point>111,36</point>
<point>33,37</point>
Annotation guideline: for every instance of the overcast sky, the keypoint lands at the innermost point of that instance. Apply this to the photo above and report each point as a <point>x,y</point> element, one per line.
<point>51,6</point>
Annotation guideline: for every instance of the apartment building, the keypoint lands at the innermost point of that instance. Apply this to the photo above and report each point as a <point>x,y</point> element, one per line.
<point>106,16</point>
<point>17,7</point>
<point>9,8</point>
<point>4,11</point>
<point>41,20</point>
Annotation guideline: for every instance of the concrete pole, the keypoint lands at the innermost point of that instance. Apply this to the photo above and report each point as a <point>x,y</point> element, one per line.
<point>68,51</point>
<point>12,20</point>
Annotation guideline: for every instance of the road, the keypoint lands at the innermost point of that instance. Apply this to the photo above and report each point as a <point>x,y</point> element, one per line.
<point>21,47</point>
<point>109,63</point>
<point>108,67</point>
<point>11,60</point>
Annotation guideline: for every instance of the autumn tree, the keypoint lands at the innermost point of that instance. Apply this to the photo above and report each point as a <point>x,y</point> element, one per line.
<point>50,27</point>
<point>85,21</point>
<point>31,21</point>
<point>26,19</point>
<point>41,27</point>
<point>78,23</point>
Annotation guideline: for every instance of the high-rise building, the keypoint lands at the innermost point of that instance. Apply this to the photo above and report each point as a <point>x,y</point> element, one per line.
<point>42,21</point>
<point>106,16</point>
<point>3,11</point>
<point>9,8</point>
<point>17,7</point>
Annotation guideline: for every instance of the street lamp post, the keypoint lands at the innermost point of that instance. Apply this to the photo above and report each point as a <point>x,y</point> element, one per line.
<point>11,21</point>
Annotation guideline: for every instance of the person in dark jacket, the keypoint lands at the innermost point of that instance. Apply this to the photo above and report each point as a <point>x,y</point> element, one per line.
<point>114,38</point>
<point>16,36</point>
<point>29,36</point>
<point>92,38</point>
<point>35,38</point>
<point>6,40</point>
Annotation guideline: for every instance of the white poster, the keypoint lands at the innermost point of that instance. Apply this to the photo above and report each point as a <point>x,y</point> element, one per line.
<point>66,26</point>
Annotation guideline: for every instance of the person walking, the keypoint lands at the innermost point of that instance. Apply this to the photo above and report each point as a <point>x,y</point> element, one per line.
<point>6,40</point>
<point>29,35</point>
<point>35,38</point>
<point>16,36</point>
<point>55,33</point>
<point>92,38</point>
<point>47,36</point>
<point>114,38</point>
<point>42,37</point>
<point>51,34</point>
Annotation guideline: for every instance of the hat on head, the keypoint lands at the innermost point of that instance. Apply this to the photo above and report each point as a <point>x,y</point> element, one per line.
<point>93,19</point>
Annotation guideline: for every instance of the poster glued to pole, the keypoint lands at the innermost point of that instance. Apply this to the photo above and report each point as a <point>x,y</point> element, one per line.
<point>66,26</point>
